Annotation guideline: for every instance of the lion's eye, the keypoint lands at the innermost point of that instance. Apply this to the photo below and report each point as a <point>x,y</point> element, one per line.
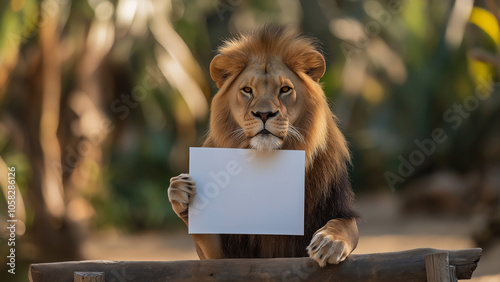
<point>285,89</point>
<point>247,90</point>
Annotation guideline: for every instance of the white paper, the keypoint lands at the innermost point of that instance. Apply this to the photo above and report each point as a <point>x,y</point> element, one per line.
<point>243,191</point>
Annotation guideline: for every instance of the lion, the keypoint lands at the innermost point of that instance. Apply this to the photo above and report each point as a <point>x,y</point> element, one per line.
<point>270,98</point>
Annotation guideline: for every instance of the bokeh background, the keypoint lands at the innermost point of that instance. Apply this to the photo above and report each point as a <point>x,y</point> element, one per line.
<point>100,101</point>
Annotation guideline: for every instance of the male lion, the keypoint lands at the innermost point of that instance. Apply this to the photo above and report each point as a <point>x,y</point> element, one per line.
<point>269,99</point>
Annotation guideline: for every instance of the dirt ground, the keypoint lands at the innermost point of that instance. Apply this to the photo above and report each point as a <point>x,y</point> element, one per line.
<point>382,229</point>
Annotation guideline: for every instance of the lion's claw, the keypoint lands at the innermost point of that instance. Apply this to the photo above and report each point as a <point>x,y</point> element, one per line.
<point>324,248</point>
<point>180,193</point>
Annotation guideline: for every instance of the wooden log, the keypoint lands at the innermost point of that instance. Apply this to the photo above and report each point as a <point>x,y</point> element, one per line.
<point>397,266</point>
<point>453,274</point>
<point>437,267</point>
<point>80,276</point>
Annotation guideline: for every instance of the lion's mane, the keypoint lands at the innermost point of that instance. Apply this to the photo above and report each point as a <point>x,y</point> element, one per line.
<point>328,191</point>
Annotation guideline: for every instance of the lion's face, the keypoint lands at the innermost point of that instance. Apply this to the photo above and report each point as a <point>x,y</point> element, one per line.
<point>266,101</point>
<point>269,94</point>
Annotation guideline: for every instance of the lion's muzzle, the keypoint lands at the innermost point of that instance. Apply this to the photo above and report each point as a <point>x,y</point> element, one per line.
<point>264,116</point>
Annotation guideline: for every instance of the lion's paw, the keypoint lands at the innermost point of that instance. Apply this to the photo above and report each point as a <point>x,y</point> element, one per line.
<point>324,248</point>
<point>180,193</point>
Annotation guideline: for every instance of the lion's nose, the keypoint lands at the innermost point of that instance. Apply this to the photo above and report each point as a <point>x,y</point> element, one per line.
<point>264,116</point>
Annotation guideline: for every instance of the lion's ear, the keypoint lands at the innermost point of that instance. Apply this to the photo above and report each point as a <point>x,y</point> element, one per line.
<point>219,69</point>
<point>315,65</point>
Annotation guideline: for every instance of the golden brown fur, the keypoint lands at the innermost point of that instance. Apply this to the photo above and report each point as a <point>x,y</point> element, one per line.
<point>320,131</point>
<point>264,61</point>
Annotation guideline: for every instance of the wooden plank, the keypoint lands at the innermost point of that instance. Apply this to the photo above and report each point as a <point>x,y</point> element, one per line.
<point>397,266</point>
<point>89,276</point>
<point>437,267</point>
<point>453,274</point>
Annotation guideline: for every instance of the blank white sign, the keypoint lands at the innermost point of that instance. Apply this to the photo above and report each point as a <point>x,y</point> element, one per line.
<point>243,191</point>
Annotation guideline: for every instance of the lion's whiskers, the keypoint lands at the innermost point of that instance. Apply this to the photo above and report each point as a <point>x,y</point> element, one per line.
<point>237,134</point>
<point>294,134</point>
